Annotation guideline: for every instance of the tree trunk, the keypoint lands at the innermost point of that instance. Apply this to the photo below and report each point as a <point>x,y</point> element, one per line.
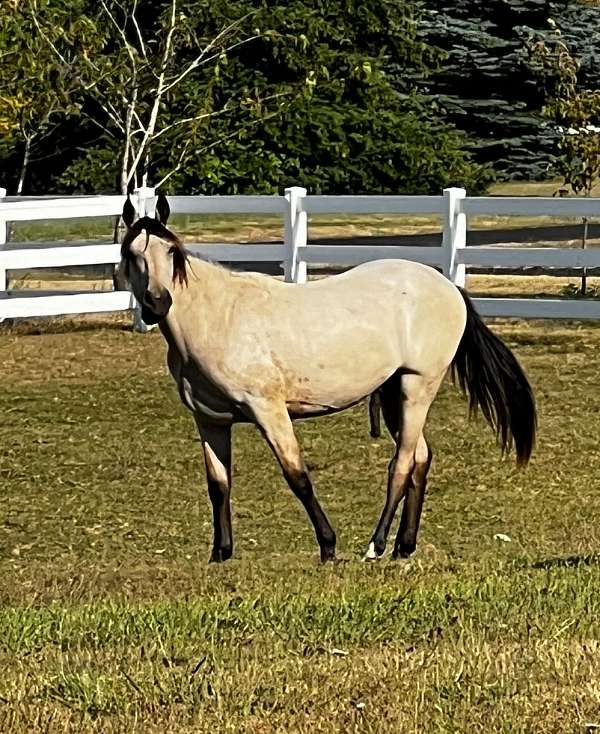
<point>24,165</point>
<point>119,280</point>
<point>124,182</point>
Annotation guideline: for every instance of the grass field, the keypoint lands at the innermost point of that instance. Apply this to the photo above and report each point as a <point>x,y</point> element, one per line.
<point>112,621</point>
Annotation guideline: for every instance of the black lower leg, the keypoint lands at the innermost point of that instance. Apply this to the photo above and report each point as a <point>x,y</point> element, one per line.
<point>223,537</point>
<point>397,486</point>
<point>390,399</point>
<point>301,486</point>
<point>406,540</point>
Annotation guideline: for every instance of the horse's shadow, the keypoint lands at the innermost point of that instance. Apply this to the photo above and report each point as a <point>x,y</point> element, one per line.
<point>592,559</point>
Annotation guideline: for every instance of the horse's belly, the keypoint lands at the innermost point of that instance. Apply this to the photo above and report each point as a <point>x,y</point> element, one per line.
<point>331,385</point>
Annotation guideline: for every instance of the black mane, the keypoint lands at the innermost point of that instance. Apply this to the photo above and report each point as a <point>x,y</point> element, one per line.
<point>153,227</point>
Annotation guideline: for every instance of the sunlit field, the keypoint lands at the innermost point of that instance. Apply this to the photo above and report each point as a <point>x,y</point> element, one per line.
<point>112,621</point>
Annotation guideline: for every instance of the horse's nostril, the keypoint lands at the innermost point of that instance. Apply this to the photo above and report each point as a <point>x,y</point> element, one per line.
<point>148,299</point>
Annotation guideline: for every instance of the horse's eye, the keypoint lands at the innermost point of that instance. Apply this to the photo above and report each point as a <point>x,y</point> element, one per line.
<point>172,249</point>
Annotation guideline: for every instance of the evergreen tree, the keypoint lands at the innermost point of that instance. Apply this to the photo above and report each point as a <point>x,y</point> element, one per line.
<point>486,84</point>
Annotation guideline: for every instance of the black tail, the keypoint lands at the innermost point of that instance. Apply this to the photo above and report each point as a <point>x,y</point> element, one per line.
<point>488,372</point>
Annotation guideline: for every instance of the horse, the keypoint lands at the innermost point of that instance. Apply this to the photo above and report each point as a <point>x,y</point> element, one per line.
<point>247,347</point>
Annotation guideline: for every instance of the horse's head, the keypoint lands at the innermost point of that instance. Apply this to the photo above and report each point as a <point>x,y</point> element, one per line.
<point>153,260</point>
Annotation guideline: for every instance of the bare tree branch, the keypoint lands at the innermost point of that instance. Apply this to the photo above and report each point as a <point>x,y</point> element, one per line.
<point>110,110</point>
<point>121,32</point>
<point>234,134</point>
<point>212,57</point>
<point>96,82</point>
<point>185,120</point>
<point>160,88</point>
<point>128,135</point>
<point>102,127</point>
<point>200,59</point>
<point>214,113</point>
<point>138,31</point>
<point>178,165</point>
<point>45,37</point>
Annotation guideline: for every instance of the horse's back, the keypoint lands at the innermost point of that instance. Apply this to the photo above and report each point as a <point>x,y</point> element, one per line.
<point>426,313</point>
<point>324,344</point>
<point>338,338</point>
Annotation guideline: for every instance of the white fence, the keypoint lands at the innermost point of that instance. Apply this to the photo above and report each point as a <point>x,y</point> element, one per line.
<point>452,256</point>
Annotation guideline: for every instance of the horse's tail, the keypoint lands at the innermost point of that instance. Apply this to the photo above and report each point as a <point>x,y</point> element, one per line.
<point>489,374</point>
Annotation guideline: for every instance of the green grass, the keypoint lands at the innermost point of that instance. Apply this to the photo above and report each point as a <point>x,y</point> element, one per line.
<point>203,226</point>
<point>90,228</point>
<point>112,621</point>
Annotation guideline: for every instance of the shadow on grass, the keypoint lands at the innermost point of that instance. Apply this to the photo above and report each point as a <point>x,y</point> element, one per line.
<point>593,559</point>
<point>64,325</point>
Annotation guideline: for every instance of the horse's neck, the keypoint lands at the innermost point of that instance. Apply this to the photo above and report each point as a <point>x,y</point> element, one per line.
<point>204,296</point>
<point>205,286</point>
<point>202,273</point>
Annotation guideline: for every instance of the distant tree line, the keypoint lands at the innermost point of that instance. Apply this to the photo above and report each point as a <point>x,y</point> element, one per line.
<point>488,86</point>
<point>208,96</point>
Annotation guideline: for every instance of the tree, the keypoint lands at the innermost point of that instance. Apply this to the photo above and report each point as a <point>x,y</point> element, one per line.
<point>131,75</point>
<point>486,85</point>
<point>575,111</point>
<point>36,92</point>
<point>341,125</point>
<point>226,96</point>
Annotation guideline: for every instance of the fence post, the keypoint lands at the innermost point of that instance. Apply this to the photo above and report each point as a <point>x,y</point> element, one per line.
<point>454,236</point>
<point>143,199</point>
<point>144,202</point>
<point>3,238</point>
<point>295,235</point>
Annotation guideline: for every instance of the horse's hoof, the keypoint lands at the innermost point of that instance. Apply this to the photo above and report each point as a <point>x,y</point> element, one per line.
<point>371,554</point>
<point>219,555</point>
<point>328,555</point>
<point>405,551</point>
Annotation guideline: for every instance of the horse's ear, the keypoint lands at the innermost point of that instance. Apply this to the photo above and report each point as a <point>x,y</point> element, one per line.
<point>128,212</point>
<point>162,209</point>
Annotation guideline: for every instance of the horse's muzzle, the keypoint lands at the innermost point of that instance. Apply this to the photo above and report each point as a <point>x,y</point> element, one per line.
<point>155,308</point>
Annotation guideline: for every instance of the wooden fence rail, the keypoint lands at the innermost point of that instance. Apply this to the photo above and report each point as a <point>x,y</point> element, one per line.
<point>452,256</point>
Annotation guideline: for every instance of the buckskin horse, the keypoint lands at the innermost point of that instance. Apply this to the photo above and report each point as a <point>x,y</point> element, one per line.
<point>246,347</point>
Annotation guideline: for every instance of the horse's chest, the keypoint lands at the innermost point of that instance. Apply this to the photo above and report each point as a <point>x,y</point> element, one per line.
<point>200,396</point>
<point>185,392</point>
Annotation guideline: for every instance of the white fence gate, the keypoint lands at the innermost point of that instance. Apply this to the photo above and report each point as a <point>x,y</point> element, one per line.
<point>452,256</point>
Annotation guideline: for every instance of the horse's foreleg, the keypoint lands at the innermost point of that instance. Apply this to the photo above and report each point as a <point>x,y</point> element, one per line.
<point>278,430</point>
<point>216,442</point>
<point>406,539</point>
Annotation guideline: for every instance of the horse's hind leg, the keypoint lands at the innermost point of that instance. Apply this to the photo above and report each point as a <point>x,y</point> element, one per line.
<point>408,409</point>
<point>278,430</point>
<point>406,539</point>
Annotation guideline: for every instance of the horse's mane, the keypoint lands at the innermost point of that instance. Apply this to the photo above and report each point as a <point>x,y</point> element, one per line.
<point>153,227</point>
